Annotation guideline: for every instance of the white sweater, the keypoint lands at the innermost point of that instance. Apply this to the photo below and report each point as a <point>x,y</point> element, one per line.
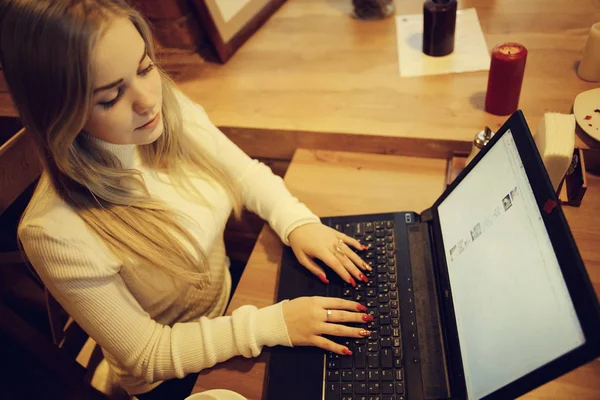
<point>151,335</point>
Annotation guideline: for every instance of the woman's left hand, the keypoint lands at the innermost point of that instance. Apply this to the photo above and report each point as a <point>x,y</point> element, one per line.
<point>330,246</point>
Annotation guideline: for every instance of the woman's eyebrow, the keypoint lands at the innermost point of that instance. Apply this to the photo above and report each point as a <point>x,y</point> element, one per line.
<point>115,83</point>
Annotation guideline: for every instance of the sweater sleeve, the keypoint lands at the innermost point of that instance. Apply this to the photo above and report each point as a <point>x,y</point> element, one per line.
<point>93,293</point>
<point>263,192</point>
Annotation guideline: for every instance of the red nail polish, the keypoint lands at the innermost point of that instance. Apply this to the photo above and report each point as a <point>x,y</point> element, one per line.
<point>365,247</point>
<point>323,279</point>
<point>346,352</point>
<point>352,282</point>
<point>367,318</point>
<point>360,307</point>
<point>363,278</point>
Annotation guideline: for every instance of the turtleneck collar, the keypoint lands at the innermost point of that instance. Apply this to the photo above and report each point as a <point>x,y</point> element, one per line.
<point>124,152</point>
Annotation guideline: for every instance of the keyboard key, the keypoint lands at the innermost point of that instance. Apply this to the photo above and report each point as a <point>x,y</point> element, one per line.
<point>347,375</point>
<point>360,388</point>
<point>387,375</point>
<point>374,388</point>
<point>384,320</point>
<point>393,295</point>
<point>368,227</point>
<point>383,298</point>
<point>360,356</point>
<point>345,362</point>
<point>389,232</point>
<point>395,313</point>
<point>397,351</point>
<point>373,347</point>
<point>370,284</point>
<point>392,278</point>
<point>385,331</point>
<point>374,375</point>
<point>374,335</point>
<point>347,388</point>
<point>379,225</point>
<point>386,342</point>
<point>395,322</point>
<point>380,234</point>
<point>386,358</point>
<point>399,388</point>
<point>372,311</point>
<point>360,341</point>
<point>369,255</point>
<point>399,375</point>
<point>371,292</point>
<point>382,260</point>
<point>382,278</point>
<point>391,254</point>
<point>347,398</point>
<point>360,375</point>
<point>375,398</point>
<point>380,242</point>
<point>348,292</point>
<point>371,326</point>
<point>359,297</point>
<point>397,363</point>
<point>382,269</point>
<point>389,246</point>
<point>361,398</point>
<point>383,288</point>
<point>391,270</point>
<point>373,360</point>
<point>389,224</point>
<point>333,364</point>
<point>393,303</point>
<point>349,229</point>
<point>371,303</point>
<point>360,230</point>
<point>332,391</point>
<point>381,251</point>
<point>384,309</point>
<point>389,239</point>
<point>387,388</point>
<point>333,376</point>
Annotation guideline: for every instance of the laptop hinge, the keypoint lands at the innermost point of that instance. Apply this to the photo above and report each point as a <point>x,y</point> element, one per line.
<point>427,215</point>
<point>434,371</point>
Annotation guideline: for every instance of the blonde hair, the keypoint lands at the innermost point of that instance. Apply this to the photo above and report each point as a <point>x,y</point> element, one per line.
<point>45,51</point>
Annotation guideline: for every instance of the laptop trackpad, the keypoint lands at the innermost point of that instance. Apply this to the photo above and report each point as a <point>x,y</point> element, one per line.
<point>295,373</point>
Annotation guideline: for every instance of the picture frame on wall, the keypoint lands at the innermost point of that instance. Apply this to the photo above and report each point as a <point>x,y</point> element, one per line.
<point>229,23</point>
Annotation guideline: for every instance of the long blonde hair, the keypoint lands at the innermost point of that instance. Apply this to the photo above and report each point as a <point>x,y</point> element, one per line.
<point>45,51</point>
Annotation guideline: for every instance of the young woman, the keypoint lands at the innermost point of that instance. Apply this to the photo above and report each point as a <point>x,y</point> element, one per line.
<point>126,225</point>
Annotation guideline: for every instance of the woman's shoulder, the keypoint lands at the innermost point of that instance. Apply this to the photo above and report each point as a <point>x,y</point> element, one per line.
<point>49,213</point>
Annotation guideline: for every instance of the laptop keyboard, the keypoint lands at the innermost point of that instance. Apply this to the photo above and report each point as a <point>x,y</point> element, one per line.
<point>375,369</point>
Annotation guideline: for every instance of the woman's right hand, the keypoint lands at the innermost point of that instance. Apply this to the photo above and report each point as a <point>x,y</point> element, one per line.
<point>306,320</point>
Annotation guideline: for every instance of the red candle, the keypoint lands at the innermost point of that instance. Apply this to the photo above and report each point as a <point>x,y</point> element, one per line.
<point>505,78</point>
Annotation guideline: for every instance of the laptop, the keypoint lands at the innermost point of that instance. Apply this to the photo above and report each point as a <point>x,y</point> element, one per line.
<point>482,296</point>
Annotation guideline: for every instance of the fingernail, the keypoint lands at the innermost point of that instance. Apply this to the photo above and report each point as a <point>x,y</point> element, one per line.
<point>346,352</point>
<point>367,318</point>
<point>367,266</point>
<point>352,282</point>
<point>363,278</point>
<point>323,279</point>
<point>365,247</point>
<point>360,307</point>
<point>364,332</point>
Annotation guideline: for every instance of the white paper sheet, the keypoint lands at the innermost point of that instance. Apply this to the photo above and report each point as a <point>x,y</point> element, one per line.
<point>470,49</point>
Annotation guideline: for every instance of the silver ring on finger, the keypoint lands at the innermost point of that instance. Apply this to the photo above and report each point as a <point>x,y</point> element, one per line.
<point>328,315</point>
<point>339,247</point>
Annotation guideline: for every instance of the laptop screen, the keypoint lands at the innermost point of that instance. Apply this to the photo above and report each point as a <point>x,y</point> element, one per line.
<point>513,311</point>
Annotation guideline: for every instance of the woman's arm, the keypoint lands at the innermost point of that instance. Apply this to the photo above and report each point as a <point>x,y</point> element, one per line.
<point>91,290</point>
<point>263,192</point>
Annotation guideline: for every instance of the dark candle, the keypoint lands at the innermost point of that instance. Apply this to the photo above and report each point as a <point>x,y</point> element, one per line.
<point>439,25</point>
<point>505,78</point>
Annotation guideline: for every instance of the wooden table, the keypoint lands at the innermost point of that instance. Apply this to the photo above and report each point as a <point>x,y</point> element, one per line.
<point>339,183</point>
<point>312,68</point>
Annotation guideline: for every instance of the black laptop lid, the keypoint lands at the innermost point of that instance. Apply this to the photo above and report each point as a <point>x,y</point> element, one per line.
<point>519,306</point>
